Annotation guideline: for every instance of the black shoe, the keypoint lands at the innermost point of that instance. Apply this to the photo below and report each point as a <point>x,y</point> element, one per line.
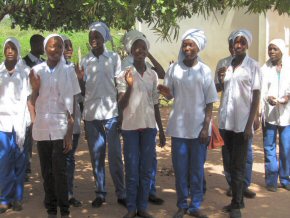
<point>197,214</point>
<point>229,192</point>
<point>74,202</point>
<point>235,213</point>
<point>155,200</point>
<point>144,214</point>
<point>271,188</point>
<point>130,214</point>
<point>122,201</point>
<point>180,213</point>
<point>249,194</point>
<point>17,206</point>
<point>287,187</point>
<point>227,208</point>
<point>98,202</point>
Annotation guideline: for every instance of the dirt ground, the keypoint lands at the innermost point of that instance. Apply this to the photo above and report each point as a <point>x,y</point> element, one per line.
<point>265,205</point>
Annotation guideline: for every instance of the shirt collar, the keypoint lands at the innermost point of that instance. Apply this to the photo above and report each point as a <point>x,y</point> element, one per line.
<point>33,58</point>
<point>105,53</point>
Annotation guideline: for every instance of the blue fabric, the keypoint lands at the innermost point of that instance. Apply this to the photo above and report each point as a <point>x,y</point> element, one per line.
<point>139,149</point>
<point>273,166</point>
<point>12,169</point>
<point>188,158</point>
<point>153,174</point>
<point>99,132</point>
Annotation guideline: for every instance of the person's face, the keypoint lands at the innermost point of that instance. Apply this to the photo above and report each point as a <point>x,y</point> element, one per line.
<point>139,50</point>
<point>189,49</point>
<point>274,53</point>
<point>240,45</point>
<point>10,51</point>
<point>96,40</point>
<point>54,48</point>
<point>231,47</point>
<point>38,46</point>
<point>68,49</point>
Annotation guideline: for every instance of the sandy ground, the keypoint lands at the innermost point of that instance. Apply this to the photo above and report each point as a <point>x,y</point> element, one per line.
<point>265,205</point>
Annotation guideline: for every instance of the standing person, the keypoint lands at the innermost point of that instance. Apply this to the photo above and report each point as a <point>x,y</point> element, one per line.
<point>128,61</point>
<point>56,83</point>
<point>276,109</point>
<point>139,103</point>
<point>14,90</point>
<point>221,66</point>
<point>31,59</point>
<point>99,71</point>
<point>189,82</point>
<point>241,82</point>
<point>70,158</point>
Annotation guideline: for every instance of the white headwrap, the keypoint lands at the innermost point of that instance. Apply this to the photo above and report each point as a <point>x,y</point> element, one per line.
<point>17,45</point>
<point>195,35</point>
<point>51,36</point>
<point>231,36</point>
<point>64,37</point>
<point>280,43</point>
<point>131,37</point>
<point>101,28</point>
<point>245,33</point>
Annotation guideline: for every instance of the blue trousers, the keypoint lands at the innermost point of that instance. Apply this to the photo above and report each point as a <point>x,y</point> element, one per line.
<point>249,163</point>
<point>12,169</point>
<point>99,132</point>
<point>273,166</point>
<point>188,158</point>
<point>139,149</point>
<point>70,164</point>
<point>153,174</point>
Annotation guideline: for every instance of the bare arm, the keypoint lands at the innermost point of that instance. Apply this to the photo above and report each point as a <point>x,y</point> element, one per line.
<point>157,67</point>
<point>123,98</point>
<point>204,131</point>
<point>162,138</point>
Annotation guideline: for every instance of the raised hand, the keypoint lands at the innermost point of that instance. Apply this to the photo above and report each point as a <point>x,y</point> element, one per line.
<point>80,72</point>
<point>221,74</point>
<point>165,91</point>
<point>129,77</point>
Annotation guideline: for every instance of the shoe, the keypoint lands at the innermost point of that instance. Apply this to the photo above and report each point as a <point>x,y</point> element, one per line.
<point>98,202</point>
<point>122,201</point>
<point>287,187</point>
<point>180,213</point>
<point>249,194</point>
<point>229,192</point>
<point>17,206</point>
<point>227,208</point>
<point>271,188</point>
<point>155,200</point>
<point>144,214</point>
<point>74,202</point>
<point>235,213</point>
<point>197,214</point>
<point>4,208</point>
<point>130,214</point>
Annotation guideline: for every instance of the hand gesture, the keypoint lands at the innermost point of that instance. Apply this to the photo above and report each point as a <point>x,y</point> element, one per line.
<point>80,72</point>
<point>283,100</point>
<point>34,81</point>
<point>162,139</point>
<point>129,77</point>
<point>221,74</point>
<point>272,100</point>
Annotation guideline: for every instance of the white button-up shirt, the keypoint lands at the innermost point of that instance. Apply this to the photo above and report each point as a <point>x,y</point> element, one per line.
<point>100,101</point>
<point>14,90</point>
<point>225,62</point>
<point>237,96</point>
<point>277,85</point>
<point>140,112</point>
<point>51,105</point>
<point>192,88</point>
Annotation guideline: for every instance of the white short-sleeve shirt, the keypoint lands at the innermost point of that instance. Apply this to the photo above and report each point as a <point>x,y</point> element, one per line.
<point>51,109</point>
<point>237,95</point>
<point>192,88</point>
<point>140,112</point>
<point>100,101</point>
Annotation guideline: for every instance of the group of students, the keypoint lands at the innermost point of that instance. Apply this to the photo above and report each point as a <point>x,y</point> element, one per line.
<point>124,94</point>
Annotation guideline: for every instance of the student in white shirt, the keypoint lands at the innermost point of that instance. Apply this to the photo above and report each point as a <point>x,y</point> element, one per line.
<point>222,66</point>
<point>276,109</point>
<point>128,61</point>
<point>97,77</point>
<point>241,82</point>
<point>57,84</point>
<point>14,91</point>
<point>138,101</point>
<point>190,83</point>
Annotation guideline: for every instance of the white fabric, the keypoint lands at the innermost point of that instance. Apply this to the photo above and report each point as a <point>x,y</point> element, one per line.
<point>34,59</point>
<point>245,33</point>
<point>64,37</point>
<point>14,91</point>
<point>144,95</point>
<point>280,43</point>
<point>100,101</point>
<point>55,100</point>
<point>131,37</point>
<point>276,87</point>
<point>231,36</point>
<point>101,28</point>
<point>192,88</point>
<point>237,96</point>
<point>129,60</point>
<point>225,62</point>
<point>17,45</point>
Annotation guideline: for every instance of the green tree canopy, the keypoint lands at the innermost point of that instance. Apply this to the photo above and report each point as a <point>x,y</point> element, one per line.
<point>161,15</point>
